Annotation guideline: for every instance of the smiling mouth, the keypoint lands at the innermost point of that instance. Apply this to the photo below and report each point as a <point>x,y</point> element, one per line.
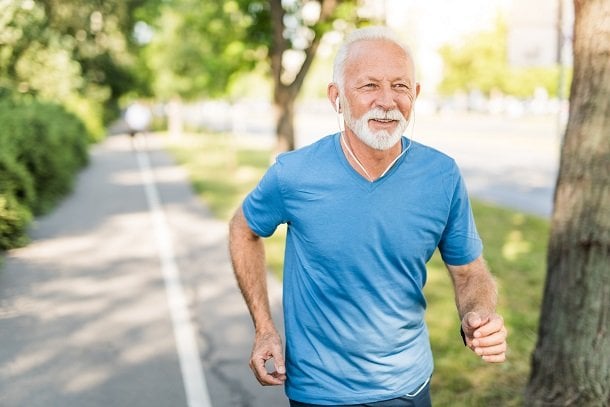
<point>383,120</point>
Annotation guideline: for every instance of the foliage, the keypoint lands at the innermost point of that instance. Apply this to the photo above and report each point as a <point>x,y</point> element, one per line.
<point>480,63</point>
<point>14,219</point>
<point>193,52</point>
<point>73,52</point>
<point>42,146</point>
<point>223,171</point>
<point>296,32</point>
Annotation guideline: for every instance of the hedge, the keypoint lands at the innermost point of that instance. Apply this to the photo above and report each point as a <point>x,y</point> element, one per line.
<point>42,148</point>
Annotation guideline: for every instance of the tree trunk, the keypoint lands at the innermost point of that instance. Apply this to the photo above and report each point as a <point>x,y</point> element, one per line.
<point>571,362</point>
<point>284,105</point>
<point>285,94</point>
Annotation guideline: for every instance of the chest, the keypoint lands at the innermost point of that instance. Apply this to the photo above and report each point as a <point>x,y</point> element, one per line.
<point>404,216</point>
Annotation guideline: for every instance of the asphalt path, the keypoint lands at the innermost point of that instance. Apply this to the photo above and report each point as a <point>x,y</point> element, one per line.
<point>126,297</point>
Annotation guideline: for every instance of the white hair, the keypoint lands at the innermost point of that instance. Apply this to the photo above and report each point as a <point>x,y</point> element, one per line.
<point>363,34</point>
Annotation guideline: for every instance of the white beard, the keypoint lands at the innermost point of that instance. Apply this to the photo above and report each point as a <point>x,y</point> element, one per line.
<point>382,139</point>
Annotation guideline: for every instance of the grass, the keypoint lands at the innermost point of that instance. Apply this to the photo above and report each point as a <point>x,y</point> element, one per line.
<point>222,173</point>
<point>515,249</point>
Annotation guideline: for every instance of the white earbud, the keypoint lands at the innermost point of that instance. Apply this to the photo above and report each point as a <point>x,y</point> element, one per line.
<point>337,106</point>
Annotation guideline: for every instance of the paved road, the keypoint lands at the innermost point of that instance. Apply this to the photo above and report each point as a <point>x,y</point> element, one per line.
<point>85,318</point>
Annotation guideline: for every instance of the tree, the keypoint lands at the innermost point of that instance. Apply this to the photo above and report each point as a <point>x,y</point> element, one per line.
<point>480,62</point>
<point>73,52</point>
<point>196,49</point>
<point>200,47</point>
<point>284,40</point>
<point>289,31</point>
<point>571,362</point>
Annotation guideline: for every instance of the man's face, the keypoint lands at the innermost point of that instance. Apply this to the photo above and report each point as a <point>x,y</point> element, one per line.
<point>379,92</point>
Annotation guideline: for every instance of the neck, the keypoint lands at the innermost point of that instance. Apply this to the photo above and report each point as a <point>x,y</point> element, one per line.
<point>372,164</point>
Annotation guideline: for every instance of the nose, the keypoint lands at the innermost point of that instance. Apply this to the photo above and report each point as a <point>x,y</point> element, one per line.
<point>385,99</point>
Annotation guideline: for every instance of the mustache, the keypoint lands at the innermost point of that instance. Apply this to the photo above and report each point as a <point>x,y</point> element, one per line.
<point>380,114</point>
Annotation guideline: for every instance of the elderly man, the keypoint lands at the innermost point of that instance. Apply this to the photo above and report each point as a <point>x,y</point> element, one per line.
<point>366,208</point>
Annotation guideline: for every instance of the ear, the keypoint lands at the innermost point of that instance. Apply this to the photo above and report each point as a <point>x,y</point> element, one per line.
<point>333,96</point>
<point>417,89</point>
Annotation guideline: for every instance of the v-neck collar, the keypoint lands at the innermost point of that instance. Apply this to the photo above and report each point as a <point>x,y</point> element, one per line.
<point>356,176</point>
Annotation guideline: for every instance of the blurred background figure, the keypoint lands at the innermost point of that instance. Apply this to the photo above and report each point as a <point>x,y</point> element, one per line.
<point>138,118</point>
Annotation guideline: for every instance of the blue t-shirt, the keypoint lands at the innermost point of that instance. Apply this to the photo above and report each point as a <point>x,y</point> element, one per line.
<point>355,266</point>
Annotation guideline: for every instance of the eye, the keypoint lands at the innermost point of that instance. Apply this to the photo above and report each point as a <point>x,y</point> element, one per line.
<point>401,86</point>
<point>369,85</point>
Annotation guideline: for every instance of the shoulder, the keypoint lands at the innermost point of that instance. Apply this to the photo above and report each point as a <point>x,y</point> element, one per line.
<point>433,159</point>
<point>431,153</point>
<point>307,156</point>
<point>437,169</point>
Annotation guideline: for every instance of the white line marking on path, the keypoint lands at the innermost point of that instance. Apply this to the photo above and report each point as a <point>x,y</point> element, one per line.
<point>190,365</point>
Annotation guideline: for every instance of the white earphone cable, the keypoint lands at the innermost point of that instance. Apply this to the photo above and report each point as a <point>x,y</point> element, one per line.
<point>351,153</point>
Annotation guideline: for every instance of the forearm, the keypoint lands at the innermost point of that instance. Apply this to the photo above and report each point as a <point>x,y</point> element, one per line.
<point>476,297</point>
<point>248,259</point>
<point>475,288</point>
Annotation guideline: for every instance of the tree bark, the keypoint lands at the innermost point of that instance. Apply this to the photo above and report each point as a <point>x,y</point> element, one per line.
<point>571,362</point>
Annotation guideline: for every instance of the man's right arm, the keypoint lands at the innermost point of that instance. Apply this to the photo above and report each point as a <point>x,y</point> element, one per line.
<point>248,259</point>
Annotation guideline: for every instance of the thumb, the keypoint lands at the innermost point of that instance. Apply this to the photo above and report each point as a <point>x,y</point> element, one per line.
<point>472,320</point>
<point>279,363</point>
<point>280,367</point>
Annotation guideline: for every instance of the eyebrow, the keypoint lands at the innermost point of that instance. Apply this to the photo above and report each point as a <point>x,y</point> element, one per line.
<point>374,79</point>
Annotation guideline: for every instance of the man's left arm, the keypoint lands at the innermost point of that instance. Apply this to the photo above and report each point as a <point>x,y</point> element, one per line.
<point>476,298</point>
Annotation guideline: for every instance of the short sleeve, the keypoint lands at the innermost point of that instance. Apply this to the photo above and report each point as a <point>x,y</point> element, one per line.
<point>264,207</point>
<point>460,243</point>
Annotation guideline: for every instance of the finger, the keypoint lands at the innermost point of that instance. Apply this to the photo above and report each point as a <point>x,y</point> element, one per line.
<point>258,368</point>
<point>263,376</point>
<point>490,340</point>
<point>491,350</point>
<point>493,325</point>
<point>472,320</point>
<point>279,364</point>
<point>494,358</point>
<point>280,376</point>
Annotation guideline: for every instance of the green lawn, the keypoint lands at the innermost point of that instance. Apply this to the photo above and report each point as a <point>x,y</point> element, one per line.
<point>515,248</point>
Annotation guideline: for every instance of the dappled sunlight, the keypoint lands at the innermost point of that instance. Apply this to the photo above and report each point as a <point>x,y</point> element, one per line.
<point>71,301</point>
<point>162,174</point>
<point>71,246</point>
<point>89,303</point>
<point>88,379</point>
<point>32,360</point>
<point>87,299</point>
<point>221,170</point>
<point>515,246</point>
<point>247,174</point>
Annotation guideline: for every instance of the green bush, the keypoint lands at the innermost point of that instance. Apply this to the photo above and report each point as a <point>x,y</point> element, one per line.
<point>42,147</point>
<point>14,219</point>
